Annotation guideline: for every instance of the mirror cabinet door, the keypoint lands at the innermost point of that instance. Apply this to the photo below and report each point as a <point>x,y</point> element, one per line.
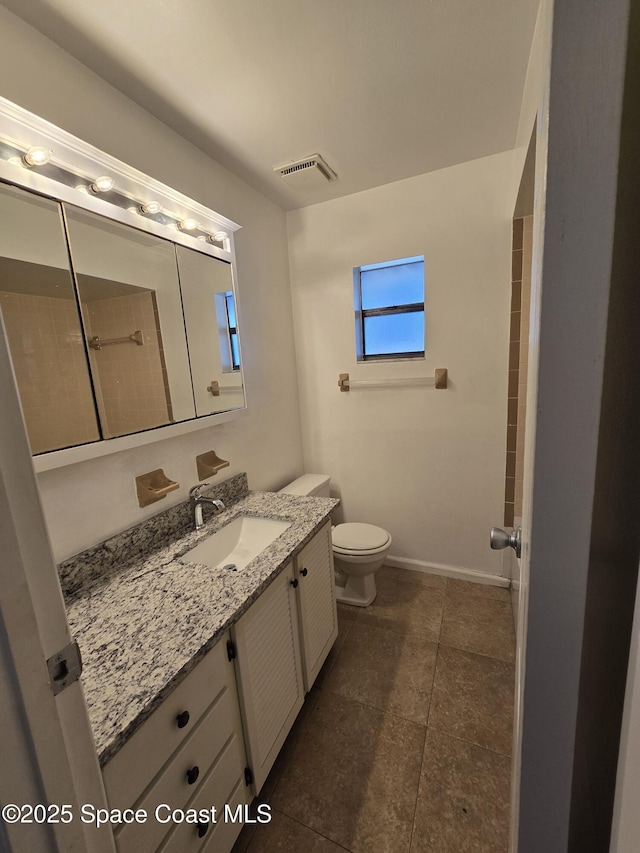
<point>208,300</point>
<point>42,323</point>
<point>130,300</point>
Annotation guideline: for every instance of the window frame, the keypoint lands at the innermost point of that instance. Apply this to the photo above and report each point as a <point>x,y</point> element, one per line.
<point>362,313</point>
<point>232,330</point>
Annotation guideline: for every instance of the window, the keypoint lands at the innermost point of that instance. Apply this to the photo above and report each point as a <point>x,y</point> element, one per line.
<point>389,303</point>
<point>227,331</point>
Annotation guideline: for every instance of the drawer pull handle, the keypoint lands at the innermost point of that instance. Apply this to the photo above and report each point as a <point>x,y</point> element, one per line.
<point>202,829</point>
<point>193,774</point>
<point>304,572</point>
<point>182,719</point>
<point>294,583</point>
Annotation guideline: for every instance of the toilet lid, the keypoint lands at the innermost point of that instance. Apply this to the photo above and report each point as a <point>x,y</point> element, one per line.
<point>359,537</point>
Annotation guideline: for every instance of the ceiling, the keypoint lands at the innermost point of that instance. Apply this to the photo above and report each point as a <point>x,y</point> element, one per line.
<point>383,89</point>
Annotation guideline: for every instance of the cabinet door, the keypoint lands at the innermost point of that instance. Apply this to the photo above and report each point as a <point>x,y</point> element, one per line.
<point>317,603</point>
<point>269,672</point>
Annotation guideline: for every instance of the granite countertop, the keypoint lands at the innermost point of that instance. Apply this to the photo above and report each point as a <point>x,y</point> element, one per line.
<point>144,616</point>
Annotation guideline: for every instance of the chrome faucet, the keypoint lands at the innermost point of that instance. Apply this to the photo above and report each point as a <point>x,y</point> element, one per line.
<point>196,501</point>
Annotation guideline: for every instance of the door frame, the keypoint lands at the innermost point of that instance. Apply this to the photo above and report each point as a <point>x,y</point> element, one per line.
<point>570,353</point>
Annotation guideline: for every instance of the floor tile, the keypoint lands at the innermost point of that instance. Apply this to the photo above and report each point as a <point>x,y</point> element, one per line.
<point>244,839</point>
<point>463,801</point>
<point>473,698</point>
<point>285,754</point>
<point>347,777</point>
<point>354,775</point>
<point>283,835</point>
<point>385,670</point>
<point>457,587</point>
<point>347,612</point>
<point>478,624</point>
<point>407,606</point>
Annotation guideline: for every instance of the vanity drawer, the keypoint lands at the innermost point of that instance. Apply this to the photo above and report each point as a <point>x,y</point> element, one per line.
<point>224,784</point>
<point>224,835</point>
<point>201,749</point>
<point>130,770</point>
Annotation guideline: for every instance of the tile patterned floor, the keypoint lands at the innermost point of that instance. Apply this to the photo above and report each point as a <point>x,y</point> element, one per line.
<point>404,743</point>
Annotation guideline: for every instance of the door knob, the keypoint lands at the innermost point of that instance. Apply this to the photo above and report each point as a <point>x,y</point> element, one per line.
<point>501,539</point>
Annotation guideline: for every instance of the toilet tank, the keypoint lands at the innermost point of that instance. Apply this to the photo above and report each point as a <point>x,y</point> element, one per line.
<point>309,484</point>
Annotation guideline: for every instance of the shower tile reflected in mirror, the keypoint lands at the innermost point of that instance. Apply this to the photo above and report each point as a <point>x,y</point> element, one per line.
<point>130,299</point>
<point>42,323</point>
<point>130,377</point>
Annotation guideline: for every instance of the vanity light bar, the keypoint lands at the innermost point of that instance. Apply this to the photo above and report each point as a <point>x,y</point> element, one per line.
<point>39,158</point>
<point>78,162</point>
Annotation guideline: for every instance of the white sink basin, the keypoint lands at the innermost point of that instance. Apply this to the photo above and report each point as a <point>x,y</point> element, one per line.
<point>237,543</point>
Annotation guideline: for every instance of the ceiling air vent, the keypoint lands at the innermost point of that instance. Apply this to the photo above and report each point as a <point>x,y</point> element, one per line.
<point>308,174</point>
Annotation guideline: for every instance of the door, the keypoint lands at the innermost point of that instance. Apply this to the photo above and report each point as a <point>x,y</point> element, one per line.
<point>316,603</point>
<point>45,741</point>
<point>580,531</point>
<point>269,671</point>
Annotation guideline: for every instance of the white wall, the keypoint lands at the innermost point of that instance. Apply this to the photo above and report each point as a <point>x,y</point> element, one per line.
<point>532,93</point>
<point>427,465</point>
<point>88,501</point>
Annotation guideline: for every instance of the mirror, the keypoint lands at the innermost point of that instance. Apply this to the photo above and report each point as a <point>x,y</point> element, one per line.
<point>130,299</point>
<point>212,331</point>
<point>42,323</point>
<point>151,339</point>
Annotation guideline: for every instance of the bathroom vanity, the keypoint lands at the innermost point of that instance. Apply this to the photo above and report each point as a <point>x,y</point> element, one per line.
<point>194,673</point>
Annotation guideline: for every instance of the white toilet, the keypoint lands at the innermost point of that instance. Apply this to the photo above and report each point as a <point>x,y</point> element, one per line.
<point>358,549</point>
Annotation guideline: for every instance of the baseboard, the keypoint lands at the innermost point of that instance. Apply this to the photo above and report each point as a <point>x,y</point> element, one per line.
<point>448,571</point>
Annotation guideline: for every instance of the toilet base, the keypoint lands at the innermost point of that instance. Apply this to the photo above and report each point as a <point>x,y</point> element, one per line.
<point>358,591</point>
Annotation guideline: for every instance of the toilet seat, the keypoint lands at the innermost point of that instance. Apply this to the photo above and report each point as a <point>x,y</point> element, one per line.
<point>356,539</point>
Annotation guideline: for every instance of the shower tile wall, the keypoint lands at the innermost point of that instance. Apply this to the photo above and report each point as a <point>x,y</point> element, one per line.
<point>518,363</point>
<point>49,361</point>
<point>525,313</point>
<point>131,386</point>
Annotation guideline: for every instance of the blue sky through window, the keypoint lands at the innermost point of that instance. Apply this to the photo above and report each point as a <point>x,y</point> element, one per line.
<point>400,284</point>
<point>390,309</point>
<point>392,333</point>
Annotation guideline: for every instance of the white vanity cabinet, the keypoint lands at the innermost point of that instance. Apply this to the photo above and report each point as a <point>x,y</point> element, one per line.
<point>188,754</point>
<point>281,643</point>
<point>269,669</point>
<point>214,739</point>
<point>316,603</point>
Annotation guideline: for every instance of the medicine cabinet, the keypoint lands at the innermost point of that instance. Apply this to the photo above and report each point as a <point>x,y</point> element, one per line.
<point>113,331</point>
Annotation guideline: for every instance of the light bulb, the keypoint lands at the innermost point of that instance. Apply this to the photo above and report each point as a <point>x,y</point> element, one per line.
<point>188,224</point>
<point>220,236</point>
<point>36,156</point>
<point>150,207</point>
<point>102,184</point>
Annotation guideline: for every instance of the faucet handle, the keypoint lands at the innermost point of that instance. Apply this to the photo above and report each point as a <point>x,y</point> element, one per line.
<point>194,491</point>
